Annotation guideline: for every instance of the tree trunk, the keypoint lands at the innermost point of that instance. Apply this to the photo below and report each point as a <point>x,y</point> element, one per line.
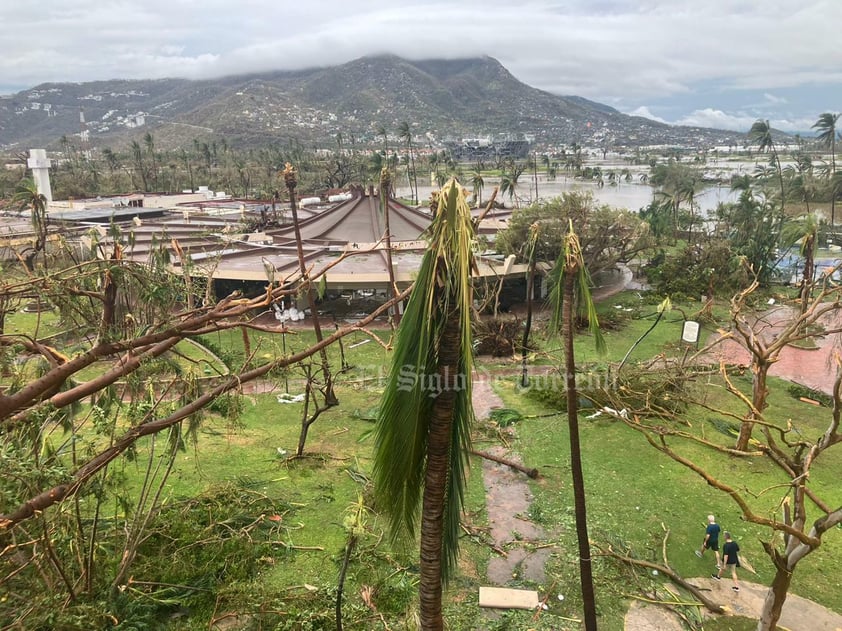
<point>527,327</point>
<point>385,194</point>
<point>775,599</point>
<point>585,572</point>
<point>436,475</point>
<point>415,195</point>
<point>330,397</point>
<point>809,274</point>
<point>759,392</point>
<point>343,571</point>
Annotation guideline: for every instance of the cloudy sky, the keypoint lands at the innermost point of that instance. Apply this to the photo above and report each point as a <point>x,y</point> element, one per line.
<point>717,63</point>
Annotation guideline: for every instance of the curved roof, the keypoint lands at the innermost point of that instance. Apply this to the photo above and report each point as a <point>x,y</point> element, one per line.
<point>354,228</point>
<point>359,220</point>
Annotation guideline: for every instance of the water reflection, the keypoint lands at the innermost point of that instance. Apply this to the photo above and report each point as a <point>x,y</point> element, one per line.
<point>630,195</point>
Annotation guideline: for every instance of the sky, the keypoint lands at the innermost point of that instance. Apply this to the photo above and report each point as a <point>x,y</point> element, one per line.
<point>714,63</point>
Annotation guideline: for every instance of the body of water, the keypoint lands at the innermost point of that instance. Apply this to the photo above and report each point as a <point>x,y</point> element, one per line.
<point>632,196</point>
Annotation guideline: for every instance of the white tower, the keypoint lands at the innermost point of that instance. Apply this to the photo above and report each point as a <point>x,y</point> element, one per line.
<point>40,165</point>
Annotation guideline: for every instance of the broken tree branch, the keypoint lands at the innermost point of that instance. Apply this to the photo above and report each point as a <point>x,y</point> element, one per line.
<point>530,472</point>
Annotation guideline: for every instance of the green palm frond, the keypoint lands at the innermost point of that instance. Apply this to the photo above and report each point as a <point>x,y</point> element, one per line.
<point>441,293</point>
<point>571,261</point>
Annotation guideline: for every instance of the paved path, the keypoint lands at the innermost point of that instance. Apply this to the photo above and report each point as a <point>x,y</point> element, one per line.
<point>799,614</point>
<point>814,368</point>
<point>507,498</point>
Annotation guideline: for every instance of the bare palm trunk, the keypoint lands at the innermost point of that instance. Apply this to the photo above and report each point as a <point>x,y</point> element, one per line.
<point>580,508</point>
<point>330,397</point>
<point>781,180</point>
<point>385,193</point>
<point>415,195</point>
<point>833,173</point>
<point>809,273</point>
<point>436,476</point>
<point>527,327</point>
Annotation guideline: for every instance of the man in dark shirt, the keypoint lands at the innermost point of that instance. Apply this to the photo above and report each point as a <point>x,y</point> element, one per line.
<point>711,540</point>
<point>729,559</point>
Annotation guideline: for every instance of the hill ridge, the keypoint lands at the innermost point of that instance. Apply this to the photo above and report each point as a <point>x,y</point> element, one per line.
<point>440,98</point>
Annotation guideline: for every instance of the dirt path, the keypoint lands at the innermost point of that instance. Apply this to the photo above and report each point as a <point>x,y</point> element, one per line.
<point>507,498</point>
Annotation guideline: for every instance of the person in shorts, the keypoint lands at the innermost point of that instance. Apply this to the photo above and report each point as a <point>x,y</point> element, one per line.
<point>730,559</point>
<point>711,540</point>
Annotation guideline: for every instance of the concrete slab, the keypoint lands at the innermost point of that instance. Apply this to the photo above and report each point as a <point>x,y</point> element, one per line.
<point>507,598</point>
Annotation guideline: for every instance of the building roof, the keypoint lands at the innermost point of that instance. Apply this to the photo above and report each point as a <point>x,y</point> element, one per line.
<point>211,234</point>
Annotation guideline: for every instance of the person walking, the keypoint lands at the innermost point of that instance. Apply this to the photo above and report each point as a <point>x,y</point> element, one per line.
<point>730,559</point>
<point>711,540</point>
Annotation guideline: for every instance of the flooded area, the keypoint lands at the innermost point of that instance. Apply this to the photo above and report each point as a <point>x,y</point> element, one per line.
<point>630,195</point>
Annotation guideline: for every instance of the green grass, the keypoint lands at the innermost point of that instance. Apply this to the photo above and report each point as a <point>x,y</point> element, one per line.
<point>634,494</point>
<point>38,325</point>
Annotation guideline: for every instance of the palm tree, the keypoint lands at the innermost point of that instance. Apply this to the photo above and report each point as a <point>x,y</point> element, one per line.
<point>478,182</point>
<point>687,190</point>
<point>27,196</point>
<point>761,133</point>
<point>534,161</point>
<point>406,134</point>
<point>139,165</point>
<point>149,141</point>
<point>827,136</point>
<point>385,195</point>
<point>800,178</point>
<point>422,435</point>
<point>381,131</point>
<point>804,232</point>
<point>509,181</point>
<point>570,286</point>
<point>441,178</point>
<point>376,163</point>
<point>291,181</point>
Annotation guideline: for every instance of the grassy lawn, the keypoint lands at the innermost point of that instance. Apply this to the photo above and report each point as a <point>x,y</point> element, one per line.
<point>292,540</point>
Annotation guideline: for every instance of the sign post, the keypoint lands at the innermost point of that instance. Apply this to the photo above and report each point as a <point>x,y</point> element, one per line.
<point>690,333</point>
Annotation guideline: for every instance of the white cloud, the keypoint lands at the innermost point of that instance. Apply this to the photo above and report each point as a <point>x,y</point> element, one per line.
<point>739,121</point>
<point>624,52</point>
<point>775,100</point>
<point>710,117</point>
<point>645,113</point>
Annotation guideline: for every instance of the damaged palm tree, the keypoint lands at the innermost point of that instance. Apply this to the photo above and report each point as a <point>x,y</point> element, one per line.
<point>571,288</point>
<point>385,196</point>
<point>291,181</point>
<point>422,436</point>
<point>27,196</point>
<point>534,231</point>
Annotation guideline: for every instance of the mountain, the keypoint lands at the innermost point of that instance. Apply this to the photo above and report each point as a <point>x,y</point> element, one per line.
<point>442,99</point>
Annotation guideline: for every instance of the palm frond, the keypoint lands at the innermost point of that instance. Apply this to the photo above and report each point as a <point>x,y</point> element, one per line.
<point>401,432</point>
<point>572,261</point>
<point>442,291</point>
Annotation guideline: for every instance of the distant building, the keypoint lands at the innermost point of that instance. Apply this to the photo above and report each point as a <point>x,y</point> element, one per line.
<point>473,149</point>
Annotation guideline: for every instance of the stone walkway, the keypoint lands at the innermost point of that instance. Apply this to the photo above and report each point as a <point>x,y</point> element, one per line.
<point>799,614</point>
<point>507,498</point>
